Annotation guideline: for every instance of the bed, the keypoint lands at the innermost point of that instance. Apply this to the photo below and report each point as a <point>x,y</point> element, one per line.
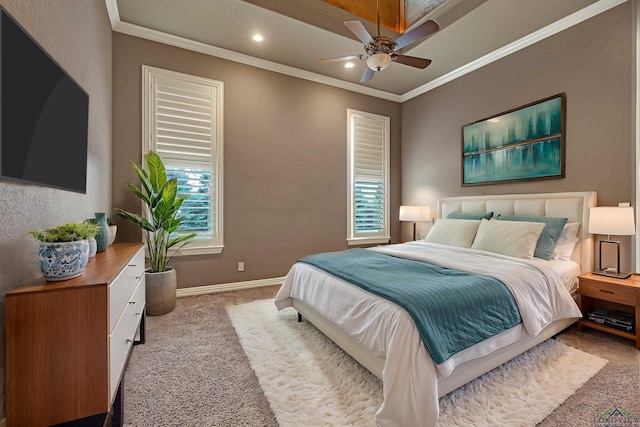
<point>383,337</point>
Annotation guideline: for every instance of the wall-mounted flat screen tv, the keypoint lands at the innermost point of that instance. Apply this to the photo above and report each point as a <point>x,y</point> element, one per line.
<point>44,115</point>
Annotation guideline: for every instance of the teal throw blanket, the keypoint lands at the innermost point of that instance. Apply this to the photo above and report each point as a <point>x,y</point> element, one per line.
<point>451,309</point>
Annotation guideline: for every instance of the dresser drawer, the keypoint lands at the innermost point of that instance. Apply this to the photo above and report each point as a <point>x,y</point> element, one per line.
<point>608,292</point>
<point>122,336</point>
<point>122,287</point>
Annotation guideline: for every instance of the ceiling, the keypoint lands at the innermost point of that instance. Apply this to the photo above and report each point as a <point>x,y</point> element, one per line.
<point>299,32</point>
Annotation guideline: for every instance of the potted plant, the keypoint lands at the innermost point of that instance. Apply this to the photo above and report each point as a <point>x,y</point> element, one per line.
<point>159,196</point>
<point>64,250</point>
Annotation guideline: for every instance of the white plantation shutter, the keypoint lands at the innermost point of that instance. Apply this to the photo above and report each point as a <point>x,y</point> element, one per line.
<point>368,177</point>
<point>184,118</point>
<point>184,122</point>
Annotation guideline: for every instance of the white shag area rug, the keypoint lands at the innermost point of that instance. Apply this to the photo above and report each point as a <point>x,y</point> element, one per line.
<point>309,381</point>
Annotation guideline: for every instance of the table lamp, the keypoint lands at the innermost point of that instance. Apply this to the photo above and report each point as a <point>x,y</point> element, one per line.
<point>616,221</point>
<point>415,214</point>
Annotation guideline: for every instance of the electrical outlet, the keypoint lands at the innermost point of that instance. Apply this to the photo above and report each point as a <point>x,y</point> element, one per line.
<point>241,266</point>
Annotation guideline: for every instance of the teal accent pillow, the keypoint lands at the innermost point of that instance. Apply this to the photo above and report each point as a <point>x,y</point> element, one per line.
<point>550,233</point>
<point>460,215</point>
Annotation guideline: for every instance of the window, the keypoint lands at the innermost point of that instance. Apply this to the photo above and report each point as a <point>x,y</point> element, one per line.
<point>368,157</point>
<point>182,117</point>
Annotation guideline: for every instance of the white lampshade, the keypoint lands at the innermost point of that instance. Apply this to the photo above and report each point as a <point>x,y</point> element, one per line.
<point>415,213</point>
<point>612,221</point>
<point>378,61</point>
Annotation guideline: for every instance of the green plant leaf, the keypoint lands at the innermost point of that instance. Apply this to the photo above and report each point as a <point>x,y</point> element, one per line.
<point>135,190</point>
<point>170,191</point>
<point>157,171</point>
<point>180,239</point>
<point>178,202</point>
<point>136,219</point>
<point>143,177</point>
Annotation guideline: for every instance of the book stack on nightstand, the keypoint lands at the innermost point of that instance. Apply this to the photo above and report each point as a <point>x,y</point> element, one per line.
<point>610,305</point>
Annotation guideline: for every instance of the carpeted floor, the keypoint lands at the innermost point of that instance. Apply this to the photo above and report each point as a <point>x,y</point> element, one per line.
<point>309,381</point>
<point>192,371</point>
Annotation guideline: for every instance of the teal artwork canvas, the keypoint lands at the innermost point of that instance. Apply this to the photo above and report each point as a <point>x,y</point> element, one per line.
<point>520,144</point>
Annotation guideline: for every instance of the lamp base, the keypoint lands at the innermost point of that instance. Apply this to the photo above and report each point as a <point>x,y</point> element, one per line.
<point>611,272</point>
<point>614,274</point>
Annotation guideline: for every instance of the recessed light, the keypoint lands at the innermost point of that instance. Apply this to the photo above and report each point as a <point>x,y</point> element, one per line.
<point>258,37</point>
<point>349,65</point>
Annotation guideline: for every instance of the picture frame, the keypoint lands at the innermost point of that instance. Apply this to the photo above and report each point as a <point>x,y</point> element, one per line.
<point>522,144</point>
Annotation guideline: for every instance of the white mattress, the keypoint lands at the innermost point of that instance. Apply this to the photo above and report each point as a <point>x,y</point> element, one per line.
<point>409,374</point>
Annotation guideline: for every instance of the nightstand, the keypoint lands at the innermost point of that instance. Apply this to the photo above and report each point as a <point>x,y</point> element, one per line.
<point>610,294</point>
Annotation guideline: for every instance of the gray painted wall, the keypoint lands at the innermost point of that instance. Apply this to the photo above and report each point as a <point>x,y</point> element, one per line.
<point>591,63</point>
<point>285,161</point>
<point>285,136</point>
<point>77,34</point>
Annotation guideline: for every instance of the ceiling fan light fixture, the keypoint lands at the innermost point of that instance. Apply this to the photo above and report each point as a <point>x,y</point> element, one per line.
<point>378,61</point>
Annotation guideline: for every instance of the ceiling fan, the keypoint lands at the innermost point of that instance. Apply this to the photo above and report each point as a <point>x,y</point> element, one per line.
<point>380,51</point>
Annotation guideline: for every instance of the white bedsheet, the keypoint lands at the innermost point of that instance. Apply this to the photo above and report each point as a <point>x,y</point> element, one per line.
<point>409,375</point>
<point>568,271</point>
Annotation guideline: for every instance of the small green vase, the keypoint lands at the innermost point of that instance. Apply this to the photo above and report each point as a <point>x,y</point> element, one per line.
<point>102,237</point>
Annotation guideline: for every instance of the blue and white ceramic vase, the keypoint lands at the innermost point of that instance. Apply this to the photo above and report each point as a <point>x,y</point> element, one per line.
<point>63,260</point>
<point>93,247</point>
<point>102,237</point>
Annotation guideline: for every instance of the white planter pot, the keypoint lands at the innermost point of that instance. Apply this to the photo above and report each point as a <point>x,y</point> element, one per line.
<point>113,229</point>
<point>160,291</point>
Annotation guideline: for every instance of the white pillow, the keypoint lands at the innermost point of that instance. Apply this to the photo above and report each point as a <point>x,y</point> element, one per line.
<point>514,238</point>
<point>564,251</point>
<point>566,242</point>
<point>453,232</point>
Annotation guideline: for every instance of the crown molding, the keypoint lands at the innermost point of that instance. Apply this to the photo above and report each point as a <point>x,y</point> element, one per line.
<point>113,12</point>
<point>548,31</point>
<point>168,39</point>
<point>588,12</point>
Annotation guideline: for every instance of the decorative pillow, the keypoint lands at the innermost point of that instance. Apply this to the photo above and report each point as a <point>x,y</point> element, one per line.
<point>514,238</point>
<point>564,251</point>
<point>460,215</point>
<point>453,232</point>
<point>550,234</point>
<point>566,242</point>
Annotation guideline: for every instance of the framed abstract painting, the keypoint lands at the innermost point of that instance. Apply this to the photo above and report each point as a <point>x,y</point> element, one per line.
<point>525,143</point>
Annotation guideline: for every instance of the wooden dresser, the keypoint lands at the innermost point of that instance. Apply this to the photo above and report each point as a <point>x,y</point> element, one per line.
<point>67,343</point>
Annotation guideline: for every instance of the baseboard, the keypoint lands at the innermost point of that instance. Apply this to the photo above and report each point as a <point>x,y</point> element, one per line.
<point>223,287</point>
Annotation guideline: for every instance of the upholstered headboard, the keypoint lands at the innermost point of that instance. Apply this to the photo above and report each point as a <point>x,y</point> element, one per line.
<point>574,206</point>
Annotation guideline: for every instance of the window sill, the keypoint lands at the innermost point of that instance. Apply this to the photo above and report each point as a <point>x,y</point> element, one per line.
<point>186,251</point>
<point>368,241</point>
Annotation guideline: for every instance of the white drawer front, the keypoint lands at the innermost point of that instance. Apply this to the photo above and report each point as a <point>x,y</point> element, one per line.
<point>122,336</point>
<point>122,287</point>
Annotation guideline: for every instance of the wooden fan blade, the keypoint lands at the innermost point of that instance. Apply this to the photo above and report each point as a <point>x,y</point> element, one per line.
<point>368,75</point>
<point>360,32</point>
<point>412,61</point>
<point>338,59</point>
<point>417,33</point>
